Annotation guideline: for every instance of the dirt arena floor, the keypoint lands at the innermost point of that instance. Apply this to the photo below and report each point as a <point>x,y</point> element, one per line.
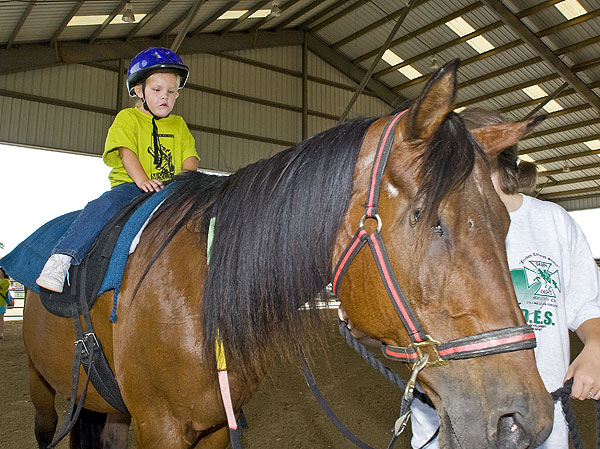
<point>282,415</point>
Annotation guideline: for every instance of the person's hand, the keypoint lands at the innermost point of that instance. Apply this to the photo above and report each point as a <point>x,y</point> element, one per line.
<point>356,332</point>
<point>585,371</point>
<point>150,185</point>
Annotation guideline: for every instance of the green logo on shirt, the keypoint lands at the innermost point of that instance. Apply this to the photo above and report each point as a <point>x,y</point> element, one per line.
<point>545,275</point>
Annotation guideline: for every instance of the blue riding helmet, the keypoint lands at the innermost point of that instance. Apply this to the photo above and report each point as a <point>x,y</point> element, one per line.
<point>152,59</point>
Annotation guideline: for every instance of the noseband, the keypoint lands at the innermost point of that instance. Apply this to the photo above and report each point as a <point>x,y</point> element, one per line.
<point>423,349</point>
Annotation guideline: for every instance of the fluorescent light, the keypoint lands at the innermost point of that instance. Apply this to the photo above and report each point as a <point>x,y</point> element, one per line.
<point>535,92</point>
<point>459,110</point>
<point>260,14</point>
<point>460,26</point>
<point>593,144</point>
<point>391,58</point>
<point>99,20</point>
<point>571,9</point>
<point>480,44</point>
<point>410,72</point>
<point>552,106</point>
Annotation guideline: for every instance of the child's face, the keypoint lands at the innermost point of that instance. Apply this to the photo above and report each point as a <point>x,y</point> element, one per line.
<point>161,93</point>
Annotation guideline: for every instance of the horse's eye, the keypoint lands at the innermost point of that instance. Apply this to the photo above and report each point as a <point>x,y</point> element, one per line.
<point>440,230</point>
<point>414,218</point>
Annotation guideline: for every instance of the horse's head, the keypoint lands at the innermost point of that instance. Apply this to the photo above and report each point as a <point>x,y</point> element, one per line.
<point>444,228</point>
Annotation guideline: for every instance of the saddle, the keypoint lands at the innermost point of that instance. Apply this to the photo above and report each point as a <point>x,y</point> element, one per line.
<point>77,299</point>
<point>86,278</point>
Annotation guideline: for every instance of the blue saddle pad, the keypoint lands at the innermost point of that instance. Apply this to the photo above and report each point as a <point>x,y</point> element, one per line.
<point>25,262</point>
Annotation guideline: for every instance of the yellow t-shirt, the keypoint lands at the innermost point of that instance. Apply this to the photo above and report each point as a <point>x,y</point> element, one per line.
<point>4,286</point>
<point>132,129</point>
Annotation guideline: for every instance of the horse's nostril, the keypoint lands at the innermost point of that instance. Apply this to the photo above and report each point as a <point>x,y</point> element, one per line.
<point>512,434</point>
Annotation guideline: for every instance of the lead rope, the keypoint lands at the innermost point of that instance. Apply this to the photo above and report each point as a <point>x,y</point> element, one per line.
<point>562,394</point>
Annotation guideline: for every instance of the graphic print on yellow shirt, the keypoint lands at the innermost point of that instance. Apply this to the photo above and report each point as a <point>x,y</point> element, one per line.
<point>162,158</point>
<point>537,286</point>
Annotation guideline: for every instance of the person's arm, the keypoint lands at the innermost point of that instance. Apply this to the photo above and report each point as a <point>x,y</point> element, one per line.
<point>190,164</point>
<point>585,369</point>
<point>136,172</point>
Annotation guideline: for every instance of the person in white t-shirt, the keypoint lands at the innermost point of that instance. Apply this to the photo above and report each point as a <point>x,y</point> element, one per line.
<point>557,284</point>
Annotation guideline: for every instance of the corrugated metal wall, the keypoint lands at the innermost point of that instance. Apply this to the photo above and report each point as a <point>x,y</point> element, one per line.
<point>240,107</point>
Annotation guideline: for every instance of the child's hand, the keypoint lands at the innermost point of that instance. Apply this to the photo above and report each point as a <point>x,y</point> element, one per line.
<point>150,185</point>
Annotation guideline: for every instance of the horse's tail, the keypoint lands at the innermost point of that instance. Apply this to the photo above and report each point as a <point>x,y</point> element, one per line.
<point>86,433</point>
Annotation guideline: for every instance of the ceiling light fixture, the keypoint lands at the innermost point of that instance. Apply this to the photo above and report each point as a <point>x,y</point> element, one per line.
<point>566,168</point>
<point>275,10</point>
<point>128,14</point>
<point>435,63</point>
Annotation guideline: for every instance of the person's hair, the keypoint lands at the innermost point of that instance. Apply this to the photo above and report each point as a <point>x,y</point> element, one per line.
<point>4,275</point>
<point>514,174</point>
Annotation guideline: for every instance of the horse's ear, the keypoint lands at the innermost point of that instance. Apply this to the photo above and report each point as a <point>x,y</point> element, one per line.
<point>428,111</point>
<point>495,138</point>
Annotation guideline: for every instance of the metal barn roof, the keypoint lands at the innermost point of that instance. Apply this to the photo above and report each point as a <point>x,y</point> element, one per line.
<point>520,57</point>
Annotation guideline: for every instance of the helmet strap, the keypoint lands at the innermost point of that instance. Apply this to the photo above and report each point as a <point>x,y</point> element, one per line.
<point>155,140</point>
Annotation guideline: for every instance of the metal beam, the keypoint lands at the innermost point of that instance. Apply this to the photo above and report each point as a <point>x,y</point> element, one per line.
<point>147,18</point>
<point>65,22</point>
<point>543,51</point>
<point>356,73</point>
<point>115,12</point>
<point>40,56</point>
<point>384,47</point>
<point>186,26</point>
<point>15,32</point>
<point>226,7</point>
<point>298,14</point>
<point>267,19</point>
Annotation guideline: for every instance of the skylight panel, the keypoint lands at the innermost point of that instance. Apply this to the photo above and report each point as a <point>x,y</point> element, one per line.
<point>236,14</point>
<point>99,20</point>
<point>480,44</point>
<point>393,59</point>
<point>229,15</point>
<point>536,92</point>
<point>260,14</point>
<point>410,72</point>
<point>571,9</point>
<point>552,106</point>
<point>461,27</point>
<point>526,157</point>
<point>593,144</point>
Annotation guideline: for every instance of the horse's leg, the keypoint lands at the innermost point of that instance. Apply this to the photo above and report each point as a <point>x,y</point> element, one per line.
<point>116,432</point>
<point>42,396</point>
<point>87,429</point>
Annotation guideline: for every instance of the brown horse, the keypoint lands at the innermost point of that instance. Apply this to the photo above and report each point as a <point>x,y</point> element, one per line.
<point>281,226</point>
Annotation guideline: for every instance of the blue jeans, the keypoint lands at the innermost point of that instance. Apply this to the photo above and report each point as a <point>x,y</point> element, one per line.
<point>78,239</point>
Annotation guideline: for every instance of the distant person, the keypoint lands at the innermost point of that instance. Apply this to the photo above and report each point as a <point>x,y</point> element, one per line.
<point>145,146</point>
<point>557,284</point>
<point>4,299</point>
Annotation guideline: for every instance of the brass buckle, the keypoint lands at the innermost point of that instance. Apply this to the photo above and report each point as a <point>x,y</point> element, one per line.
<point>432,343</point>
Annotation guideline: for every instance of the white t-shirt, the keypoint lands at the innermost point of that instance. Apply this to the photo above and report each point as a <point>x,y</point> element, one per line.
<point>557,283</point>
